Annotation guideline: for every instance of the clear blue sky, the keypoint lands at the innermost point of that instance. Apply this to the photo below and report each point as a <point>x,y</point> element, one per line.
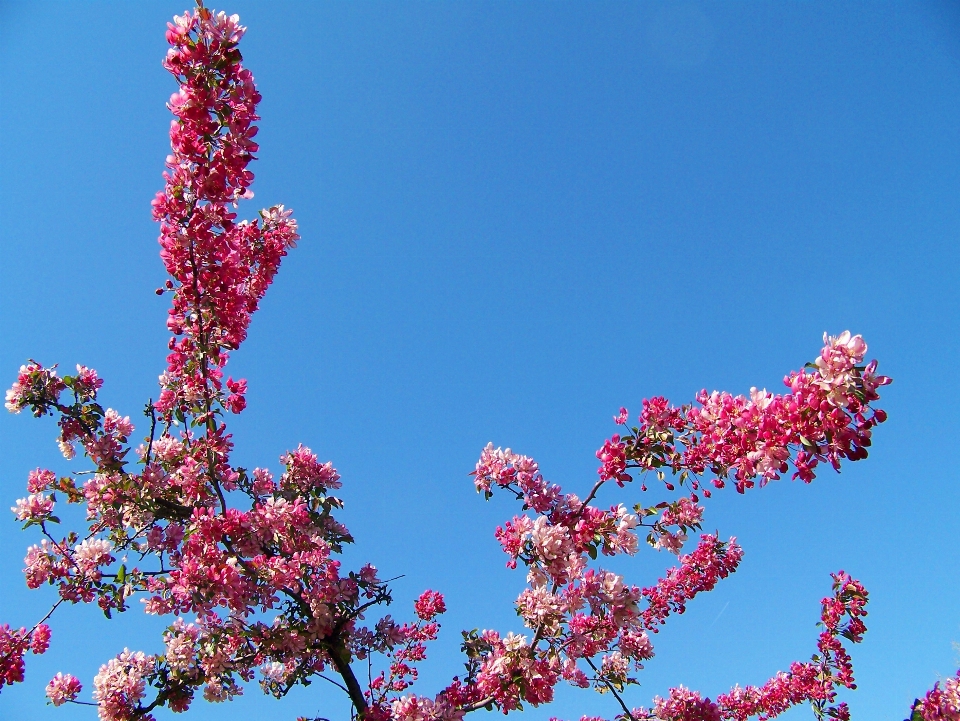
<point>517,217</point>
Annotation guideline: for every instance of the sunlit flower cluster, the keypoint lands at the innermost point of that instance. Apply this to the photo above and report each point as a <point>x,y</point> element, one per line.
<point>249,561</point>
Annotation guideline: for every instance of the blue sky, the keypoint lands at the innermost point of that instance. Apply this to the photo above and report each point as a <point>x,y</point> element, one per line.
<point>517,218</point>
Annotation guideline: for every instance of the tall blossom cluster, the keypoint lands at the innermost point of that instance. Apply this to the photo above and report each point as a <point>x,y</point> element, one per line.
<point>249,555</point>
<point>246,560</point>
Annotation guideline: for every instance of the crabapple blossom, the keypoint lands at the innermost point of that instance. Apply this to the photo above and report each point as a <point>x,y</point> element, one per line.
<point>63,688</point>
<point>14,645</point>
<point>590,616</point>
<point>826,417</point>
<point>941,703</point>
<point>250,561</point>
<point>40,480</point>
<point>120,684</point>
<point>271,567</point>
<point>34,507</point>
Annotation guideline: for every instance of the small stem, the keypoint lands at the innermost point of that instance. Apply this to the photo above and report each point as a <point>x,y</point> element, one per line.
<point>590,496</point>
<point>26,638</point>
<point>335,683</point>
<point>611,687</point>
<point>477,705</point>
<point>153,432</point>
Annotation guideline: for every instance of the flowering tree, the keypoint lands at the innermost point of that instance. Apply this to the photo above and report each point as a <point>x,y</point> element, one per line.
<point>251,556</point>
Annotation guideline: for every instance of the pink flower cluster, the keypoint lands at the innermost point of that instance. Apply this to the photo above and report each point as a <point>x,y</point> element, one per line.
<point>35,386</point>
<point>579,613</point>
<point>63,688</point>
<point>14,645</point>
<point>34,507</point>
<point>699,571</point>
<point>250,556</point>
<point>220,268</point>
<point>815,681</point>
<point>120,685</point>
<point>406,646</point>
<point>941,703</point>
<point>826,417</point>
<point>589,626</point>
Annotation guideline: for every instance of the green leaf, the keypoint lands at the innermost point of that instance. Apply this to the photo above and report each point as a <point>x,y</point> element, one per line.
<point>121,573</point>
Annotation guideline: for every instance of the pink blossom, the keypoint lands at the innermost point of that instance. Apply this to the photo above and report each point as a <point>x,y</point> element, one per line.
<point>90,554</point>
<point>119,685</point>
<point>636,645</point>
<point>429,605</point>
<point>826,417</point>
<point>63,688</point>
<point>685,705</point>
<point>670,541</point>
<point>42,564</point>
<point>40,639</point>
<point>35,386</point>
<point>941,703</point>
<point>549,542</point>
<point>35,507</point>
<point>114,423</point>
<point>40,480</point>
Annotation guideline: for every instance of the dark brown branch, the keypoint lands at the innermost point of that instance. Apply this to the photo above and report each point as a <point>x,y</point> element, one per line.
<point>341,661</point>
<point>612,689</point>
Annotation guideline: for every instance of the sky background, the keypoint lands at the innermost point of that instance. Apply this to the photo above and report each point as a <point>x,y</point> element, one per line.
<point>515,218</point>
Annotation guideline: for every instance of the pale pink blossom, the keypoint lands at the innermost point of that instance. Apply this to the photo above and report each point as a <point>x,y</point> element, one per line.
<point>40,480</point>
<point>63,688</point>
<point>36,507</point>
<point>670,541</point>
<point>91,553</point>
<point>119,685</point>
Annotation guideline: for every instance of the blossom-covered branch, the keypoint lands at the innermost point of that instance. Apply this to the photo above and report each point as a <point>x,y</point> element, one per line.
<point>826,417</point>
<point>579,614</point>
<point>249,555</point>
<point>247,559</point>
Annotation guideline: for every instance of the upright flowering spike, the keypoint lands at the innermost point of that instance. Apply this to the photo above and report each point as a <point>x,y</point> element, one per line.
<point>220,268</point>
<point>250,557</point>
